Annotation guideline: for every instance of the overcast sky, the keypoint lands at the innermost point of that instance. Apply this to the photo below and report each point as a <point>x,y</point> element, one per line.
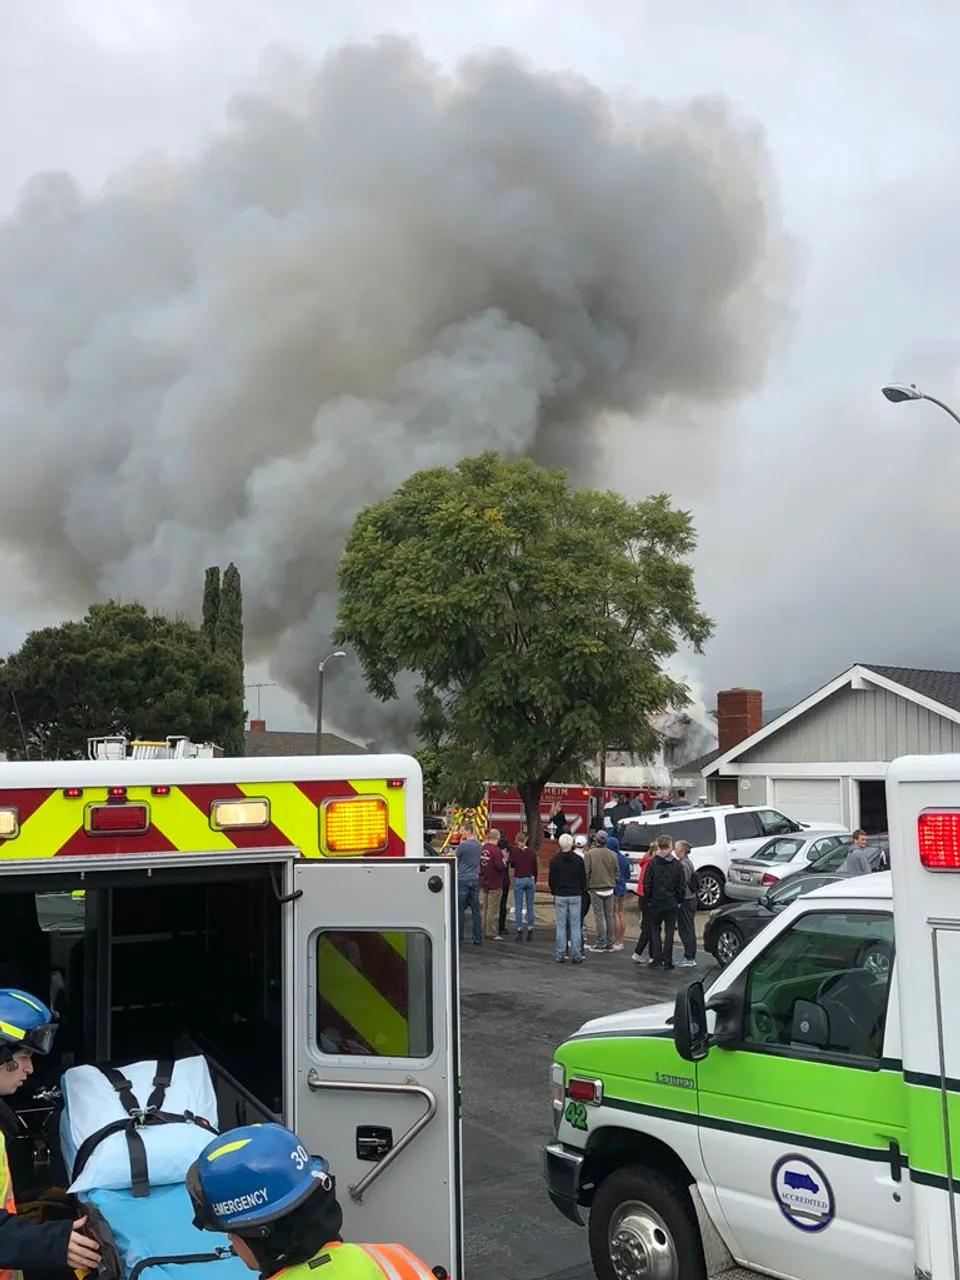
<point>828,518</point>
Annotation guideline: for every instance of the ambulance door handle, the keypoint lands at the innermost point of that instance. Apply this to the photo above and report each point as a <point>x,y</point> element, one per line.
<point>896,1161</point>
<point>317,1085</point>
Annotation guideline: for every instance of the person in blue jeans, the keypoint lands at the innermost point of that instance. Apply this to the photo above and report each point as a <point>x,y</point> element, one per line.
<point>523,859</point>
<point>619,892</point>
<point>469,851</point>
<point>567,878</point>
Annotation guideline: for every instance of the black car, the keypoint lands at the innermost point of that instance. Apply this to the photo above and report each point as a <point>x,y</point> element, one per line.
<point>733,926</point>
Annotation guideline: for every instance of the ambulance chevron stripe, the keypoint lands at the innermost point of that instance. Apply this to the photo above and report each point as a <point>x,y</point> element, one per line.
<point>52,824</point>
<point>363,1002</point>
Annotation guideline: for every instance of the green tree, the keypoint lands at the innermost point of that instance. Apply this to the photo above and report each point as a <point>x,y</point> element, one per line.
<point>537,617</point>
<point>228,643</point>
<point>448,776</point>
<point>211,604</point>
<point>119,670</point>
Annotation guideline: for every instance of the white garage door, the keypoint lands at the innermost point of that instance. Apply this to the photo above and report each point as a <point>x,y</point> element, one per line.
<point>809,799</point>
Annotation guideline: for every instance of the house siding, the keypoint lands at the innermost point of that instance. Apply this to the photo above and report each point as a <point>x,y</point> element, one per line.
<point>857,725</point>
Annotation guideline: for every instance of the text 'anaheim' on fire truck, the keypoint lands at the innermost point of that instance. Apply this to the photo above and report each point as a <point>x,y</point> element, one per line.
<point>276,916</point>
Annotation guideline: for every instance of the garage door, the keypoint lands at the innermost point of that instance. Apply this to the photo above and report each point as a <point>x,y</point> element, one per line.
<point>809,799</point>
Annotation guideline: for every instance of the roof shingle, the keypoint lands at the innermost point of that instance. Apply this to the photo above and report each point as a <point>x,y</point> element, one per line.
<point>939,686</point>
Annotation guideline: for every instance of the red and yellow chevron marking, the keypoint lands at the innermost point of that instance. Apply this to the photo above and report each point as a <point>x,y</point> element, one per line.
<point>364,1005</point>
<point>51,825</point>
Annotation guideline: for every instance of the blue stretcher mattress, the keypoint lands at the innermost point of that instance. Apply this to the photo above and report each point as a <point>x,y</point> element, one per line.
<point>160,1225</point>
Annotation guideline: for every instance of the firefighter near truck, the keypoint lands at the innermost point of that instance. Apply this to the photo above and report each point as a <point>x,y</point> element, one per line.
<point>232,942</point>
<point>802,1118</point>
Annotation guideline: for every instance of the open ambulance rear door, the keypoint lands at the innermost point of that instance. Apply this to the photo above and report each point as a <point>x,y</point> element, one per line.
<point>374,1063</point>
<point>923,807</point>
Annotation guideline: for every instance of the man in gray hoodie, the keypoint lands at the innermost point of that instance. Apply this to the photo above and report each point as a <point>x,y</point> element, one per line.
<point>858,859</point>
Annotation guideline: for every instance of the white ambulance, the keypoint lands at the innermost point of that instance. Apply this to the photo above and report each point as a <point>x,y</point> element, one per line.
<point>276,917</point>
<point>802,1118</point>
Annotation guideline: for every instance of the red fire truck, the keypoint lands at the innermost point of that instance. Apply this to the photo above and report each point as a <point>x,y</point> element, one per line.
<point>582,807</point>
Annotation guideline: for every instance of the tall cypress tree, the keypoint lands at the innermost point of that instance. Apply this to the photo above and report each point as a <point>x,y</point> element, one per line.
<point>211,604</point>
<point>228,642</point>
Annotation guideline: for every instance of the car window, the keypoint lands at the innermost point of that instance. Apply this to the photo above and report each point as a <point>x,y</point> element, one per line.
<point>635,837</point>
<point>780,850</point>
<point>821,987</point>
<point>794,887</point>
<point>774,823</point>
<point>698,832</point>
<point>822,846</point>
<point>743,826</point>
<point>834,859</point>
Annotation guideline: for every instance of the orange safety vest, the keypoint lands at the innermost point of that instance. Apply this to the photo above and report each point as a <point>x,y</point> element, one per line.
<point>360,1262</point>
<point>6,1197</point>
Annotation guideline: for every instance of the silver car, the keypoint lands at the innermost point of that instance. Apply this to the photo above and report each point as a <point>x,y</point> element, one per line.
<point>750,878</point>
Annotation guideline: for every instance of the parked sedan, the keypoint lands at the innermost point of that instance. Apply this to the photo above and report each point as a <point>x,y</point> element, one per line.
<point>729,930</point>
<point>749,878</point>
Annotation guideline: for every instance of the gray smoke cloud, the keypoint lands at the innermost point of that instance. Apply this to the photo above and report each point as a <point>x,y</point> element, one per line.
<point>374,268</point>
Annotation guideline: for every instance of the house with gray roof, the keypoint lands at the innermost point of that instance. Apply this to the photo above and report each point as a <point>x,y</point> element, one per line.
<point>826,757</point>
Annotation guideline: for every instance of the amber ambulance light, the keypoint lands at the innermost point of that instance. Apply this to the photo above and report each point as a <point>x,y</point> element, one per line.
<point>357,825</point>
<point>9,822</point>
<point>938,837</point>
<point>230,815</point>
<point>580,1090</point>
<point>117,819</point>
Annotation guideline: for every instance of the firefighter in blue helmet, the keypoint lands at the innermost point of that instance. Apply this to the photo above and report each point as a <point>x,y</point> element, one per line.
<point>278,1206</point>
<point>27,1027</point>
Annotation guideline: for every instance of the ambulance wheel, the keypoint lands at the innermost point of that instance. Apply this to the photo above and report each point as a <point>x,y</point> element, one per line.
<point>643,1227</point>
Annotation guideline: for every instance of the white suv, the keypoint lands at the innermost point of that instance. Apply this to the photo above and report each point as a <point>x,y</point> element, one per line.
<point>715,835</point>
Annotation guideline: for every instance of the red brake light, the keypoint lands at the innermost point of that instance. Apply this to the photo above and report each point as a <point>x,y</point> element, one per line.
<point>580,1090</point>
<point>395,782</point>
<point>938,838</point>
<point>769,879</point>
<point>118,820</point>
<point>159,791</point>
<point>116,793</point>
<point>72,792</point>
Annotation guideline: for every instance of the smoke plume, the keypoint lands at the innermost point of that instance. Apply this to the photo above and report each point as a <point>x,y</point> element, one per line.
<point>374,268</point>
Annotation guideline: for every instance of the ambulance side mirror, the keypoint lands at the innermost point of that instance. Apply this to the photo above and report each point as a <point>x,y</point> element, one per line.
<point>690,1035</point>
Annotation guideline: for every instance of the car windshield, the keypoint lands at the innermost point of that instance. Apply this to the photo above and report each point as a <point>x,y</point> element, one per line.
<point>780,849</point>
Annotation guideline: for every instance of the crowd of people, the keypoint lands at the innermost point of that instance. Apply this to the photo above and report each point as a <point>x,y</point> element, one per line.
<point>584,875</point>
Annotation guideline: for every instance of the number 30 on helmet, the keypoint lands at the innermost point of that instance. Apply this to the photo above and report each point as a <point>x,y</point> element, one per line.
<point>251,1177</point>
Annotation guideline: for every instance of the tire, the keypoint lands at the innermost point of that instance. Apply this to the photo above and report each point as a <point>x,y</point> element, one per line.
<point>640,1216</point>
<point>710,890</point>
<point>728,944</point>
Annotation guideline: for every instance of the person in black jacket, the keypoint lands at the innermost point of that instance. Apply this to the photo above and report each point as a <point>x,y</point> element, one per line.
<point>27,1027</point>
<point>664,887</point>
<point>567,878</point>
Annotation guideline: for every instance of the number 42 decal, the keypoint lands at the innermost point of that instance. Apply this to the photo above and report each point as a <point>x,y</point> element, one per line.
<point>576,1115</point>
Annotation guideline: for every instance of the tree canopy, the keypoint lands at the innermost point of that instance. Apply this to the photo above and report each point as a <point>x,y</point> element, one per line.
<point>119,670</point>
<point>228,643</point>
<point>537,616</point>
<point>211,604</point>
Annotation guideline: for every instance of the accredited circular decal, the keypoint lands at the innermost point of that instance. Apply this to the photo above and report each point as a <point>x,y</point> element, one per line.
<point>803,1193</point>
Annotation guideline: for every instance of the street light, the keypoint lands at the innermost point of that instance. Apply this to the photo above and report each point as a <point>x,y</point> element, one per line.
<point>337,653</point>
<point>898,392</point>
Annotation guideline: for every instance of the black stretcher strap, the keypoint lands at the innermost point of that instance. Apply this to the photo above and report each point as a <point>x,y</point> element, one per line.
<point>136,1119</point>
<point>181,1258</point>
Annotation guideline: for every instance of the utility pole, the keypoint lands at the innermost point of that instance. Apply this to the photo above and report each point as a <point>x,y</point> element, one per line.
<point>266,684</point>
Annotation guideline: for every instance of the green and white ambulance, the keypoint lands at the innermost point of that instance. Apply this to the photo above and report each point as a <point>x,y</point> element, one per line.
<point>801,1119</point>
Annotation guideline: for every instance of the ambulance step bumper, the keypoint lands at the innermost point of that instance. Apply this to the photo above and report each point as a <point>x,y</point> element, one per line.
<point>562,1167</point>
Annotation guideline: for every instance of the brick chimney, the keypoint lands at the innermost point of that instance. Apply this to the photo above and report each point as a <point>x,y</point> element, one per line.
<point>258,726</point>
<point>739,714</point>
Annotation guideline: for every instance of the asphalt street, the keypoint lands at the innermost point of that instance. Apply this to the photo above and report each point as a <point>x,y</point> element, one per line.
<point>517,1004</point>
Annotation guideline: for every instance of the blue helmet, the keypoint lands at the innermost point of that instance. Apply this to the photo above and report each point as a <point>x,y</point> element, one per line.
<point>251,1177</point>
<point>25,1023</point>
